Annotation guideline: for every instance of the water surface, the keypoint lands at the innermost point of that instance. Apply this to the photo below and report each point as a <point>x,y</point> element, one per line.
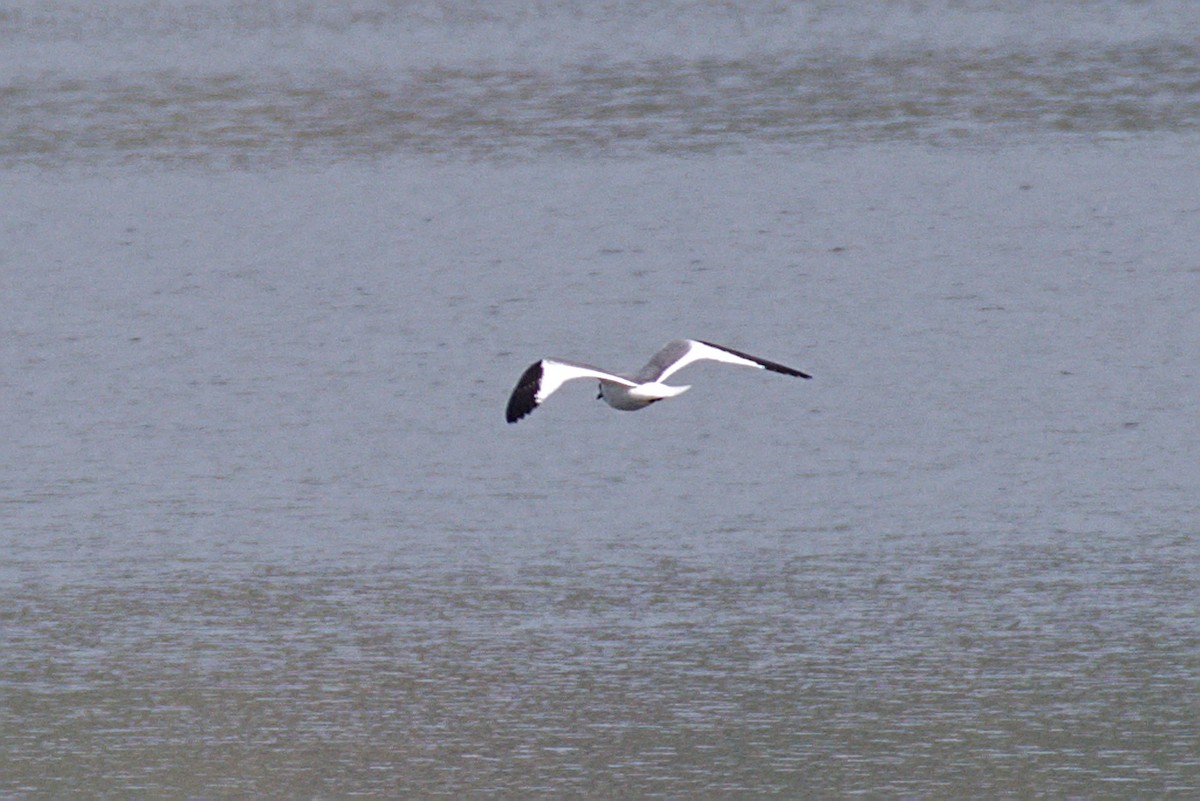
<point>267,276</point>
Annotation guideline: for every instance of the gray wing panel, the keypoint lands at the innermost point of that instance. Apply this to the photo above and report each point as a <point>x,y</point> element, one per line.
<point>670,353</point>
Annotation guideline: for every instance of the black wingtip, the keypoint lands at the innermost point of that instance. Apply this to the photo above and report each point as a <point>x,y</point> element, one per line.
<point>783,368</point>
<point>524,396</point>
<point>772,366</point>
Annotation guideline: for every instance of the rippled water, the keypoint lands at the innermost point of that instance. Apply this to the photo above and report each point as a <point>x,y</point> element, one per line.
<point>662,106</point>
<point>222,83</point>
<point>265,533</point>
<point>999,670</point>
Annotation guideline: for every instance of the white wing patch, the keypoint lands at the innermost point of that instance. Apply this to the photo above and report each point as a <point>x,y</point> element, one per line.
<point>543,378</point>
<point>555,374</point>
<point>700,351</point>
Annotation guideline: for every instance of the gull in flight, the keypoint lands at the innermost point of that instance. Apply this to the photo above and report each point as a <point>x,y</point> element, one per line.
<point>628,392</point>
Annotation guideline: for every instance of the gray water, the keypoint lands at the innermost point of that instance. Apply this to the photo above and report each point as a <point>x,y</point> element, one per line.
<point>268,272</point>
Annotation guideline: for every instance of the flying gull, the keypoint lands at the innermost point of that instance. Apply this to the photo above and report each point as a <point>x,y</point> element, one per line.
<point>628,392</point>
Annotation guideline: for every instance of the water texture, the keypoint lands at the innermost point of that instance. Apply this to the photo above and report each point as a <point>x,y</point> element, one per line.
<point>659,107</point>
<point>268,272</point>
<point>233,84</point>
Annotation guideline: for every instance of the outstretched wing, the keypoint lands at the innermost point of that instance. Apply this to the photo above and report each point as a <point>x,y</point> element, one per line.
<point>543,378</point>
<point>680,353</point>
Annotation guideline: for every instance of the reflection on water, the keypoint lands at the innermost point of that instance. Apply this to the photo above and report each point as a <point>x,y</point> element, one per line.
<point>980,669</point>
<point>628,108</point>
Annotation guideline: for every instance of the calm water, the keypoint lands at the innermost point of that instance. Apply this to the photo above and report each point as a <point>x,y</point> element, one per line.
<point>268,273</point>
